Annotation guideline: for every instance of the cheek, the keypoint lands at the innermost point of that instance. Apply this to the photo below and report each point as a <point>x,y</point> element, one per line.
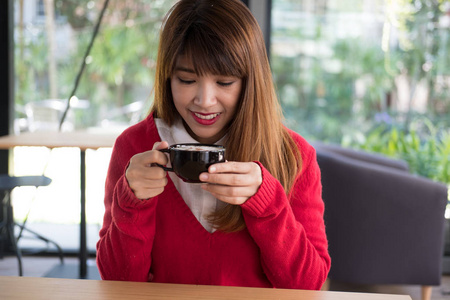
<point>177,94</point>
<point>174,89</point>
<point>233,102</point>
<point>179,105</point>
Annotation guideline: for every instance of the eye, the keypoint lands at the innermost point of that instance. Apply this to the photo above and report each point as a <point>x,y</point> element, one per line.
<point>225,83</point>
<point>183,81</point>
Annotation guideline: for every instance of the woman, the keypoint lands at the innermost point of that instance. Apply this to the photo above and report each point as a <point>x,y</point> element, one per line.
<point>257,220</point>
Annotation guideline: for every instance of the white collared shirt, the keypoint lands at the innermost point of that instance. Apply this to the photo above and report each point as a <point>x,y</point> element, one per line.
<point>201,202</point>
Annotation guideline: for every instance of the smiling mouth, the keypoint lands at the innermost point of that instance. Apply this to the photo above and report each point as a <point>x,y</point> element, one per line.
<point>206,117</point>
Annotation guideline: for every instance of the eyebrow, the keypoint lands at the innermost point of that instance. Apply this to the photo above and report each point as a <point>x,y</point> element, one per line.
<point>184,69</point>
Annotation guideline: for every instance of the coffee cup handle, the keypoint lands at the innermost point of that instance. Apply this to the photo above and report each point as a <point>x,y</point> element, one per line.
<point>161,166</point>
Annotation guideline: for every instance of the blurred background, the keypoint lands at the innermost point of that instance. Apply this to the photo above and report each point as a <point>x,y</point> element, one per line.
<point>367,74</point>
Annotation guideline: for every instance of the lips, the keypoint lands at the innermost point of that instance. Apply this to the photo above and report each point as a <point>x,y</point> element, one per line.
<point>205,119</point>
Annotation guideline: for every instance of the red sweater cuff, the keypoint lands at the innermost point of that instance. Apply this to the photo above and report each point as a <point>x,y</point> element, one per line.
<point>261,204</point>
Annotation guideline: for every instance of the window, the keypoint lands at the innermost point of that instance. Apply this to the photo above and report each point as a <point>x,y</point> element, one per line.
<point>344,67</point>
<point>118,74</point>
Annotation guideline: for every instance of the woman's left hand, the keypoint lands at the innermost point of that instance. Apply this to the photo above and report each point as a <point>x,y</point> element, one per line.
<point>232,182</point>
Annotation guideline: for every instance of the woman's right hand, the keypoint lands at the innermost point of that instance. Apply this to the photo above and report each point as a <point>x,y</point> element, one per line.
<point>144,179</point>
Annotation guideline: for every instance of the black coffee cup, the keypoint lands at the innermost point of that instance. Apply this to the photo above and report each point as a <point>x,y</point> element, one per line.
<point>188,161</point>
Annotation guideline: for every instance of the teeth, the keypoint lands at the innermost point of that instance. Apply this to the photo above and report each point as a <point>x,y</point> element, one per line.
<point>206,117</point>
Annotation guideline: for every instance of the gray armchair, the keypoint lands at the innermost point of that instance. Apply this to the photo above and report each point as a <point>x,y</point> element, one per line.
<point>384,225</point>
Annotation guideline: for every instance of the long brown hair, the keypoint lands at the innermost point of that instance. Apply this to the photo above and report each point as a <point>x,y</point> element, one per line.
<point>222,37</point>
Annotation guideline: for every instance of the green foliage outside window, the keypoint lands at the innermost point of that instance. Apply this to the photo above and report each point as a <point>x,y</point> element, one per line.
<point>367,74</point>
<point>121,64</point>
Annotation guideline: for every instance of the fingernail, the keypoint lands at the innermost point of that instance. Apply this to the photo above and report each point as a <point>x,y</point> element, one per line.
<point>212,169</point>
<point>203,176</point>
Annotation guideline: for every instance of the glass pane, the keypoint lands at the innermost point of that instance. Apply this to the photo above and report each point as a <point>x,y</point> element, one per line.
<point>114,91</point>
<point>344,67</point>
<point>371,74</point>
<point>118,71</point>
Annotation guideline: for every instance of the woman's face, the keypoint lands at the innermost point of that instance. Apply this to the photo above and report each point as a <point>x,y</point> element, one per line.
<point>206,103</point>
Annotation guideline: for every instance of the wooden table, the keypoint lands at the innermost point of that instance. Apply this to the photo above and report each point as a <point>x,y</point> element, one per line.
<point>32,288</point>
<point>79,139</point>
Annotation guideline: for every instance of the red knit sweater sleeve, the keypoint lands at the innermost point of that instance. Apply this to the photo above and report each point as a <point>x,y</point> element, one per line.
<point>126,238</point>
<point>290,231</point>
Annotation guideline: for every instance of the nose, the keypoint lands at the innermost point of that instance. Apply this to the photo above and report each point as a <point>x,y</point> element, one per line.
<point>206,95</point>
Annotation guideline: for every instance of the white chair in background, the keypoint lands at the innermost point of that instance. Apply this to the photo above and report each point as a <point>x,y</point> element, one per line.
<point>45,115</point>
<point>124,116</point>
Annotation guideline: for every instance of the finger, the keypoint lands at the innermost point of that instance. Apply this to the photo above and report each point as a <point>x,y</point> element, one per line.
<point>149,157</point>
<point>236,196</point>
<point>151,184</point>
<point>159,157</point>
<point>234,200</point>
<point>231,167</point>
<point>228,191</point>
<point>230,179</point>
<point>160,145</point>
<point>145,172</point>
<point>144,189</point>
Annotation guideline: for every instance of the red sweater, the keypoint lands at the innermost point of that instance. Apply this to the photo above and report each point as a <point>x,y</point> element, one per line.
<point>284,244</point>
